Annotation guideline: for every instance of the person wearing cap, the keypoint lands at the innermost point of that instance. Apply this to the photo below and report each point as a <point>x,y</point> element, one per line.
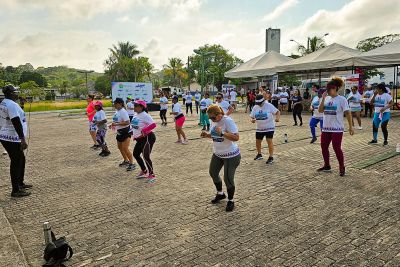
<point>265,115</point>
<point>130,107</point>
<point>367,101</point>
<point>382,102</point>
<point>122,123</point>
<point>163,109</point>
<point>317,117</point>
<point>90,111</point>
<point>13,133</point>
<point>142,132</point>
<point>226,107</point>
<point>334,107</point>
<point>179,121</point>
<point>100,120</point>
<point>204,104</point>
<point>224,134</point>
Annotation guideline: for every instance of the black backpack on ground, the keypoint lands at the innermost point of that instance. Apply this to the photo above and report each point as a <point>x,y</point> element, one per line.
<point>56,252</point>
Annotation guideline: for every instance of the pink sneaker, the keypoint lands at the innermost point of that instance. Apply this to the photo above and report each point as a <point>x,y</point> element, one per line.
<point>151,179</point>
<point>141,175</point>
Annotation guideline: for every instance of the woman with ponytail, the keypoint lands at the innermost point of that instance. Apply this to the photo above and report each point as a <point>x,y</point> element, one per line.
<point>333,106</point>
<point>224,134</point>
<point>382,102</point>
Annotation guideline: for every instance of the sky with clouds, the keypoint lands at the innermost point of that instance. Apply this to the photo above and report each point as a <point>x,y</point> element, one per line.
<point>78,33</point>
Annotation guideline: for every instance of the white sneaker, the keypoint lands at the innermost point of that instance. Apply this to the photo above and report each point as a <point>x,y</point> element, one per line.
<point>184,142</point>
<point>359,128</point>
<point>5,153</point>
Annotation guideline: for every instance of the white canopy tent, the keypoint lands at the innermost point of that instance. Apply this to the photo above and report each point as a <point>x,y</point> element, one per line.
<point>263,65</point>
<point>331,58</point>
<point>385,56</point>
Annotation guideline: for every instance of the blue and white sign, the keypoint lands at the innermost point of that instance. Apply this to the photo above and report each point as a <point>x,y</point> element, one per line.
<point>229,86</point>
<point>143,91</point>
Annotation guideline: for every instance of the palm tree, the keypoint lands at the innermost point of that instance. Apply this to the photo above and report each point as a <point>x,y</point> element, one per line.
<point>175,70</point>
<point>315,43</point>
<point>125,49</point>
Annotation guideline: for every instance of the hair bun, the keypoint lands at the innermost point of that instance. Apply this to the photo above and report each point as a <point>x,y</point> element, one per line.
<point>339,81</point>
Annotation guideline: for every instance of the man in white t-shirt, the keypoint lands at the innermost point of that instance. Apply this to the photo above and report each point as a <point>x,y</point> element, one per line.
<point>233,99</point>
<point>130,107</point>
<point>242,94</point>
<point>13,133</point>
<point>367,101</point>
<point>197,98</point>
<point>226,107</point>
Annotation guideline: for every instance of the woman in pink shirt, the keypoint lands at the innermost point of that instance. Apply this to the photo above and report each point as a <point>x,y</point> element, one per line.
<point>90,111</point>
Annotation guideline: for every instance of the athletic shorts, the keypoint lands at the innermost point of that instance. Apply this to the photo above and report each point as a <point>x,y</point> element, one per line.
<point>179,122</point>
<point>123,134</point>
<point>267,135</point>
<point>92,127</point>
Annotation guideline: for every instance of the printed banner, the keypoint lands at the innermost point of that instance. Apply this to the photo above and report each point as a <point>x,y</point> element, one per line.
<point>143,91</point>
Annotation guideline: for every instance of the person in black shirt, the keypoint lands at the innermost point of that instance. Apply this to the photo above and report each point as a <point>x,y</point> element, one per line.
<point>297,107</point>
<point>306,94</point>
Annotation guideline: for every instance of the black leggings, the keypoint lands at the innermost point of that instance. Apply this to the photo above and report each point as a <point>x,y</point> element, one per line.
<point>197,107</point>
<point>163,115</point>
<point>189,106</point>
<point>384,129</point>
<point>368,108</point>
<point>17,165</point>
<point>297,113</point>
<point>144,146</point>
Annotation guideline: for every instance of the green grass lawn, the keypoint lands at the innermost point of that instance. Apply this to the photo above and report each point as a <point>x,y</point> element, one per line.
<point>60,105</point>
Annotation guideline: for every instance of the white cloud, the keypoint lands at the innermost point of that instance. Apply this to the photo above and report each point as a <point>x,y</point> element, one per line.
<point>281,9</point>
<point>348,25</point>
<point>144,20</point>
<point>124,19</point>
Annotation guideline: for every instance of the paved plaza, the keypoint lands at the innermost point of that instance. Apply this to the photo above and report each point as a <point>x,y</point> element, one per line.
<point>286,214</point>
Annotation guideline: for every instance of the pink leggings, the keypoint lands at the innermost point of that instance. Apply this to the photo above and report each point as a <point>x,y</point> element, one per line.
<point>336,139</point>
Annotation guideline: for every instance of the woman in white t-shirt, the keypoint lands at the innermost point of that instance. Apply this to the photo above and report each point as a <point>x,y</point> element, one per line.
<point>317,117</point>
<point>224,134</point>
<point>382,102</point>
<point>189,104</point>
<point>179,121</point>
<point>13,133</point>
<point>233,98</point>
<point>265,115</point>
<point>367,101</point>
<point>204,104</point>
<point>354,99</point>
<point>197,98</point>
<point>283,100</point>
<point>121,123</point>
<point>226,107</point>
<point>163,109</point>
<point>130,107</point>
<point>334,107</point>
<point>142,132</point>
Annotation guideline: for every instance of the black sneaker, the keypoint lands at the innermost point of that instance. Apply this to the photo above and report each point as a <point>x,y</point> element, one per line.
<point>20,193</point>
<point>385,143</point>
<point>105,153</point>
<point>101,153</point>
<point>295,124</point>
<point>218,198</point>
<point>373,142</point>
<point>313,140</point>
<point>270,160</point>
<point>301,124</point>
<point>342,173</point>
<point>131,167</point>
<point>124,163</point>
<point>26,186</point>
<point>258,157</point>
<point>230,206</point>
<point>325,169</point>
<point>95,147</point>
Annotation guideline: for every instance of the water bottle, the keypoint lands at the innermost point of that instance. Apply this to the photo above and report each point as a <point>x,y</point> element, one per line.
<point>398,148</point>
<point>47,233</point>
<point>285,137</point>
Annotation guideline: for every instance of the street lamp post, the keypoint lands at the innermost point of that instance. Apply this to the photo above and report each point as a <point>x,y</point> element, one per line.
<point>203,55</point>
<point>86,72</point>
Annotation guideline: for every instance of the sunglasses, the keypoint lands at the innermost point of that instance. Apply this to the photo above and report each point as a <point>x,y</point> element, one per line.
<point>218,97</point>
<point>213,118</point>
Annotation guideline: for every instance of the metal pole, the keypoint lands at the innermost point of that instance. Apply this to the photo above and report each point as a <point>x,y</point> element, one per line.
<point>87,87</point>
<point>308,44</point>
<point>188,62</point>
<point>319,80</point>
<point>202,73</point>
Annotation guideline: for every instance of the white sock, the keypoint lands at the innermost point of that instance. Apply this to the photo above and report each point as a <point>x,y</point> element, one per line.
<point>231,200</point>
<point>220,193</point>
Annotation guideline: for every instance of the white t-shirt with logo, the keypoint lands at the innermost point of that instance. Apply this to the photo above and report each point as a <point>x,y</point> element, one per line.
<point>283,97</point>
<point>189,99</point>
<point>223,147</point>
<point>382,101</point>
<point>315,104</point>
<point>129,105</point>
<point>177,108</point>
<point>233,96</point>
<point>264,115</point>
<point>163,103</point>
<point>100,116</point>
<point>10,110</point>
<point>197,97</point>
<point>120,116</point>
<point>226,96</point>
<point>334,114</point>
<point>205,103</point>
<point>139,121</point>
<point>355,101</point>
<point>224,105</point>
<point>368,95</point>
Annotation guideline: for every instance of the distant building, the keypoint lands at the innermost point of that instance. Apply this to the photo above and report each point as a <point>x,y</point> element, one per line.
<point>273,40</point>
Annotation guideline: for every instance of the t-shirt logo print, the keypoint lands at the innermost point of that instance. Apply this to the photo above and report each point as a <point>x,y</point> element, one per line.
<point>115,118</point>
<point>135,123</point>
<point>215,136</point>
<point>261,115</point>
<point>330,109</point>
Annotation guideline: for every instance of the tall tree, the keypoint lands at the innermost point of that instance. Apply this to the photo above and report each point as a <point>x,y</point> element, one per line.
<point>27,76</point>
<point>175,72</point>
<point>315,43</point>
